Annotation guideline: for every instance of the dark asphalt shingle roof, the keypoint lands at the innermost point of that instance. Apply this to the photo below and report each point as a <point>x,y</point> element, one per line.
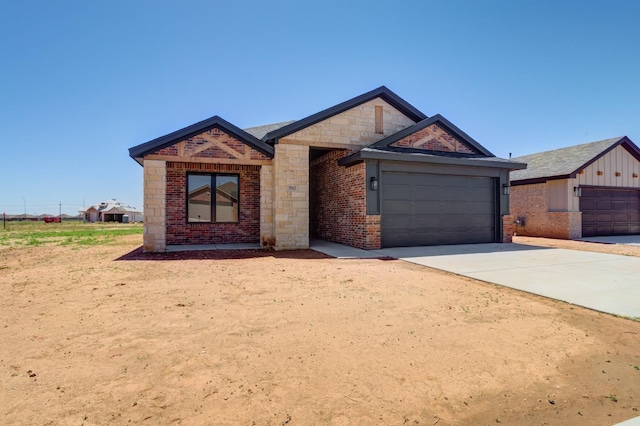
<point>561,162</point>
<point>259,131</point>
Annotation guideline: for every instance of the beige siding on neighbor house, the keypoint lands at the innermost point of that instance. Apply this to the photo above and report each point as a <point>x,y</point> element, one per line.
<point>617,160</point>
<point>557,194</point>
<point>354,127</point>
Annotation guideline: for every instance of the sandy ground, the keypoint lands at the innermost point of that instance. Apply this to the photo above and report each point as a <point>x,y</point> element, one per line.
<point>107,335</point>
<point>580,245</point>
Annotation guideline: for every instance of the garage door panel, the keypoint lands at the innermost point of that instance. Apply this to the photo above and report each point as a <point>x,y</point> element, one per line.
<point>620,217</point>
<point>398,192</point>
<point>428,209</point>
<point>604,217</point>
<point>620,229</point>
<point>607,211</point>
<point>604,205</point>
<point>587,204</point>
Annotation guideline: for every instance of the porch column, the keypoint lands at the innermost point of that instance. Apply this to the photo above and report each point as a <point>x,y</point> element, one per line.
<point>291,196</point>
<point>267,237</point>
<point>155,231</point>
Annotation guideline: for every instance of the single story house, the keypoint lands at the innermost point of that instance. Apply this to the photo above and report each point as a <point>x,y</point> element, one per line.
<point>370,172</point>
<point>580,191</point>
<point>111,211</point>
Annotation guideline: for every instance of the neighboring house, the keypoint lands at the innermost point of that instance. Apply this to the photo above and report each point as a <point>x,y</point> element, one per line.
<point>579,191</point>
<point>111,211</point>
<point>370,172</point>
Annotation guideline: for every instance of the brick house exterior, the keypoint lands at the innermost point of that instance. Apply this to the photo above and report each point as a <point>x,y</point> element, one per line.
<point>326,176</point>
<point>580,191</point>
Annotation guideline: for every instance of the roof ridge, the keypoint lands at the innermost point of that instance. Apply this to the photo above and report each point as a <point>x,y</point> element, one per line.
<point>610,140</point>
<point>381,92</point>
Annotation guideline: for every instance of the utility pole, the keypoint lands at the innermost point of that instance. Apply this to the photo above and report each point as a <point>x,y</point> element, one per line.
<point>25,207</point>
<point>60,209</point>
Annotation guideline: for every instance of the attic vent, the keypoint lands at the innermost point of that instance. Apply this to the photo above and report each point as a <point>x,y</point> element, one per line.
<point>379,128</point>
<point>216,131</point>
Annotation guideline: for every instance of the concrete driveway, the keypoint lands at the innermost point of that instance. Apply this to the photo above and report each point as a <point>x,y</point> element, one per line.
<point>604,282</point>
<point>628,240</point>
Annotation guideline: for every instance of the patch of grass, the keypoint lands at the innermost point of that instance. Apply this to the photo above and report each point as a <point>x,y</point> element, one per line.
<point>612,397</point>
<point>65,233</point>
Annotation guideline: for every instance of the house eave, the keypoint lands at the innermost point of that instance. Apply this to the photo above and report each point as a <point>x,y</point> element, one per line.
<point>439,119</point>
<point>140,151</point>
<point>490,162</point>
<point>543,179</point>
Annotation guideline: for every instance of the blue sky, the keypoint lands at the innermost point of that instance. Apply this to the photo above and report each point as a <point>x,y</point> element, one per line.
<point>81,82</point>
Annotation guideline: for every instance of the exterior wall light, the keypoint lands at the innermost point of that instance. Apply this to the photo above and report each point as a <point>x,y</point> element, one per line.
<point>373,183</point>
<point>506,189</point>
<point>577,191</point>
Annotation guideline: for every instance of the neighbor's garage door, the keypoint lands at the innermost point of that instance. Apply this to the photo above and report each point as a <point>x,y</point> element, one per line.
<point>610,211</point>
<point>428,209</point>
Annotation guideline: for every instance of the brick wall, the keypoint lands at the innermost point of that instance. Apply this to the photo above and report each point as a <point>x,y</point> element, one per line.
<point>338,203</point>
<point>213,143</point>
<point>433,138</point>
<point>508,228</point>
<point>530,202</point>
<point>179,232</point>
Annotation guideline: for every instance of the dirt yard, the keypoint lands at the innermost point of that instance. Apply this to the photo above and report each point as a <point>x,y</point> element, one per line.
<point>106,335</point>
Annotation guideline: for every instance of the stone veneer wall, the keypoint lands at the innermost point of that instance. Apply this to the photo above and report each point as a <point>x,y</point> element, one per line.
<point>180,232</point>
<point>154,238</point>
<point>530,202</point>
<point>291,196</point>
<point>355,126</point>
<point>339,203</point>
<point>267,236</point>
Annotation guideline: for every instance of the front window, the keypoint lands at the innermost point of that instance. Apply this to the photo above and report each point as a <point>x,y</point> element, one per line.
<point>202,207</point>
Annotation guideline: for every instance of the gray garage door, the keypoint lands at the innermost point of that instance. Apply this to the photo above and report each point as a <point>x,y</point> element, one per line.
<point>427,209</point>
<point>610,211</point>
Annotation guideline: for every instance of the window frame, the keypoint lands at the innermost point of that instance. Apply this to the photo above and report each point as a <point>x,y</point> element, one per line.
<point>213,204</point>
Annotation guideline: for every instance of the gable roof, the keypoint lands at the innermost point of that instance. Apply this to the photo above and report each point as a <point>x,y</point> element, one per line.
<point>138,152</point>
<point>260,131</point>
<point>567,162</point>
<point>443,122</point>
<point>111,205</point>
<point>381,92</point>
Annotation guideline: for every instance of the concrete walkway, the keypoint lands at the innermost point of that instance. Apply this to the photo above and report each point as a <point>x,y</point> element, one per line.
<point>341,251</point>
